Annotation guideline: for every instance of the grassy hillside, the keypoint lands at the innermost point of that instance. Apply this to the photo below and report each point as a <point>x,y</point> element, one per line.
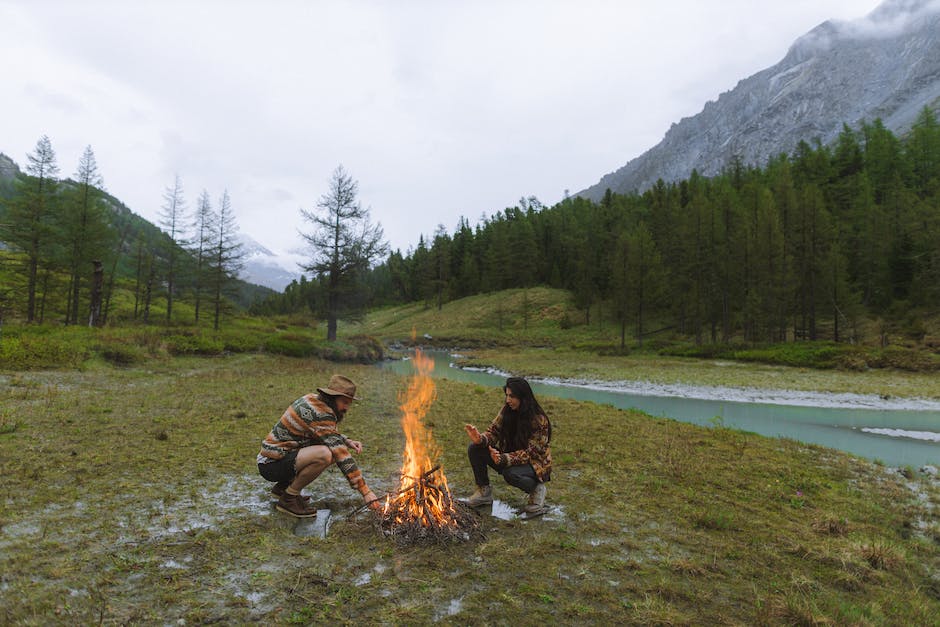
<point>536,316</point>
<point>130,496</point>
<point>554,340</point>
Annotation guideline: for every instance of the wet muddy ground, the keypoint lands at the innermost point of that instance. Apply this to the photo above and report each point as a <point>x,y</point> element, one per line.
<point>146,509</point>
<point>164,539</point>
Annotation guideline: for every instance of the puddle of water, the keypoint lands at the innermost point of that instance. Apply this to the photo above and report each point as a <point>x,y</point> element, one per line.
<point>173,564</point>
<point>452,609</point>
<point>314,527</point>
<point>504,511</point>
<point>21,529</point>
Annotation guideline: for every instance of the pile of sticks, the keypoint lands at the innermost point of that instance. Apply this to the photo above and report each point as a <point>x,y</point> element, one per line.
<point>403,525</point>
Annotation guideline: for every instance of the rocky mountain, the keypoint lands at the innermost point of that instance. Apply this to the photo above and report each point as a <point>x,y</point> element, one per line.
<point>885,65</point>
<point>262,267</point>
<point>8,168</point>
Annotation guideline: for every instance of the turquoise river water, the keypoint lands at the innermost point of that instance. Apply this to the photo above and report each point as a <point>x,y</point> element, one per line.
<point>897,432</point>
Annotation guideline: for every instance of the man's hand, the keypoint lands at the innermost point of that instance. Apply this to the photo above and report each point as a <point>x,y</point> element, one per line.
<point>355,445</point>
<point>372,501</point>
<point>473,433</point>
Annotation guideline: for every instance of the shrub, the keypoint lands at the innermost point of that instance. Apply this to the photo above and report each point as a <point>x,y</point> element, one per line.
<point>123,354</point>
<point>714,520</point>
<point>38,351</point>
<point>368,349</point>
<point>240,341</point>
<point>194,343</point>
<point>905,359</point>
<point>701,351</point>
<point>291,344</point>
<point>337,351</point>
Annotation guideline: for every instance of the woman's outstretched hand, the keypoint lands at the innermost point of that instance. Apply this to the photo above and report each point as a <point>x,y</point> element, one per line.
<point>473,433</point>
<point>496,456</point>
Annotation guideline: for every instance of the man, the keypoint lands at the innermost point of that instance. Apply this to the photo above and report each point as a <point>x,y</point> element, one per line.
<point>305,441</point>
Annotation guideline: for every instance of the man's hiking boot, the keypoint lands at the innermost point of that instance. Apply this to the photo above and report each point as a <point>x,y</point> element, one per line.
<point>280,489</point>
<point>482,496</point>
<point>295,505</point>
<point>536,501</point>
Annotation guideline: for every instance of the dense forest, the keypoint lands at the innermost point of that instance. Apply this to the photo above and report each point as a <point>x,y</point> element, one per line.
<point>808,246</point>
<point>802,248</point>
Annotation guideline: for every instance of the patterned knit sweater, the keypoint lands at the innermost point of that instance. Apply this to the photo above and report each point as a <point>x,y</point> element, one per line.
<point>536,451</point>
<point>310,421</point>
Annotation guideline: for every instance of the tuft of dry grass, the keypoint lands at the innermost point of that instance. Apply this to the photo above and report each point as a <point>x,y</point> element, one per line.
<point>882,555</point>
<point>831,525</point>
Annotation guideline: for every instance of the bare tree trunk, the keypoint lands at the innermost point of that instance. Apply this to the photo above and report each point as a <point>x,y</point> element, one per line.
<point>148,292</point>
<point>97,284</point>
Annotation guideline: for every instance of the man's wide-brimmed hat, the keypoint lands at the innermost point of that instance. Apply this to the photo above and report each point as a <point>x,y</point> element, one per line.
<point>340,386</point>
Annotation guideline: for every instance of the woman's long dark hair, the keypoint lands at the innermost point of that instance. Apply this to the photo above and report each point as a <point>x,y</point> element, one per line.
<point>517,425</point>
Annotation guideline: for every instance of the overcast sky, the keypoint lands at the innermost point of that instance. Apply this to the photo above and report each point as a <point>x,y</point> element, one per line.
<point>439,109</point>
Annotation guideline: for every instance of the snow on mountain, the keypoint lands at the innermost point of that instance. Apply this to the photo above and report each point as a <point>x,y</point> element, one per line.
<point>263,267</point>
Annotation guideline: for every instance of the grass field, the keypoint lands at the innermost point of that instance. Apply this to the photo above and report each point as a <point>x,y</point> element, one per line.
<point>130,496</point>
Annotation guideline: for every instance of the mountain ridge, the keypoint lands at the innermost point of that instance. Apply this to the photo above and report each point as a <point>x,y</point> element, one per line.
<point>885,66</point>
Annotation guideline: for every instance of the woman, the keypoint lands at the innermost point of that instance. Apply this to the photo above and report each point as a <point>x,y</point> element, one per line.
<point>516,446</point>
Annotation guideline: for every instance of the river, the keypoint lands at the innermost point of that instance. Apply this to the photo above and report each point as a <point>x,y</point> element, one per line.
<point>897,432</point>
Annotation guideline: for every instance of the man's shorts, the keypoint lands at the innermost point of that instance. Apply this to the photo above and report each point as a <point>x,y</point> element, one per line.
<point>280,471</point>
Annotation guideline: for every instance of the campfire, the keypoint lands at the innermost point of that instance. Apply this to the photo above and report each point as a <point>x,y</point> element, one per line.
<point>423,509</point>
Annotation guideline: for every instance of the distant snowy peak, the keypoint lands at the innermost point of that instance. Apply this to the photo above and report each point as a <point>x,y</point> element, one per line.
<point>263,267</point>
<point>252,247</point>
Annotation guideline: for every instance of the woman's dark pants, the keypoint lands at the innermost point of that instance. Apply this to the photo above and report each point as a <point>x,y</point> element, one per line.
<point>522,476</point>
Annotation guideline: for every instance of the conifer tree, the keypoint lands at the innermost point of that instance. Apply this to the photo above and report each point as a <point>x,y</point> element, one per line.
<point>226,256</point>
<point>173,220</point>
<point>344,243</point>
<point>29,224</point>
<point>203,245</point>
<point>85,228</point>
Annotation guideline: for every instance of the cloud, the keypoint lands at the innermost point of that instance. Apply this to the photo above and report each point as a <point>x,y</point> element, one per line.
<point>438,109</point>
<point>890,19</point>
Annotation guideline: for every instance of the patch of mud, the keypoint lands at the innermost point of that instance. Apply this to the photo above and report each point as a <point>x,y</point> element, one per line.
<point>237,496</point>
<point>240,584</point>
<point>188,514</point>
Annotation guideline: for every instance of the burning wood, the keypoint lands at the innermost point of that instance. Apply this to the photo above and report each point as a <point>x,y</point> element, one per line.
<point>425,511</point>
<point>423,508</point>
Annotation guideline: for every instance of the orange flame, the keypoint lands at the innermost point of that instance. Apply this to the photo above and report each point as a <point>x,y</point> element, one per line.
<point>414,503</point>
